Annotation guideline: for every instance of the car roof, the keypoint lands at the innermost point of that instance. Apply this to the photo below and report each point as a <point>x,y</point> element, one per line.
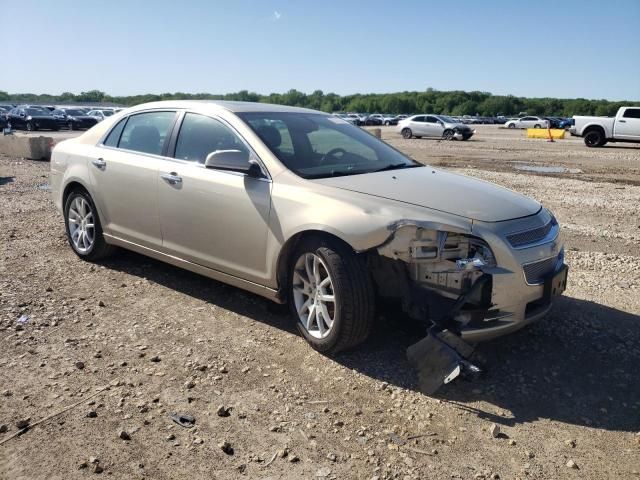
<point>232,106</point>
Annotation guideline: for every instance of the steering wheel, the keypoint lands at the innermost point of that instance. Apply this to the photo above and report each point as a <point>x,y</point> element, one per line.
<point>332,153</point>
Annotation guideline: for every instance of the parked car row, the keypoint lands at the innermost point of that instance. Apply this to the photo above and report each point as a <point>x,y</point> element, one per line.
<point>373,119</point>
<point>38,117</point>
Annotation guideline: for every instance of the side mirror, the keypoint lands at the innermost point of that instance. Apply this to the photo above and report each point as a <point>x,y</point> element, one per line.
<point>233,160</point>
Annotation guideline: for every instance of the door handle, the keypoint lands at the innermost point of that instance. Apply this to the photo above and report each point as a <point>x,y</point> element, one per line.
<point>622,121</point>
<point>171,178</point>
<point>100,163</point>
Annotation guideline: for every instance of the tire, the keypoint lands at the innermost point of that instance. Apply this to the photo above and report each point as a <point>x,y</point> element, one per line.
<point>71,126</point>
<point>98,248</point>
<point>350,286</point>
<point>536,126</point>
<point>511,125</point>
<point>406,133</point>
<point>386,124</point>
<point>29,127</point>
<point>594,138</point>
<point>448,134</point>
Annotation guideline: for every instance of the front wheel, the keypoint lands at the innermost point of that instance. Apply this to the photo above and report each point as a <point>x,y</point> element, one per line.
<point>406,133</point>
<point>511,125</point>
<point>536,126</point>
<point>330,296</point>
<point>83,227</point>
<point>448,134</point>
<point>30,127</point>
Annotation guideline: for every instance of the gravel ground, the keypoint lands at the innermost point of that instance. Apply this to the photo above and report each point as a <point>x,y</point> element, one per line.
<point>130,341</point>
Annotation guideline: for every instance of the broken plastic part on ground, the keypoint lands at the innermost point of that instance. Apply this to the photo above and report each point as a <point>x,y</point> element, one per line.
<point>184,420</point>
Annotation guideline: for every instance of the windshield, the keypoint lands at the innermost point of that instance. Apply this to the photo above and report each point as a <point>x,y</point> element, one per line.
<point>319,146</point>
<point>37,111</point>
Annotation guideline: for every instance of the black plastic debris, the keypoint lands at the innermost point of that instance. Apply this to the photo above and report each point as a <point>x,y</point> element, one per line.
<point>440,358</point>
<point>184,420</point>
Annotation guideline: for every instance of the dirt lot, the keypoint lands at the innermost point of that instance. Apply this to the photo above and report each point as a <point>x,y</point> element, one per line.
<point>130,341</point>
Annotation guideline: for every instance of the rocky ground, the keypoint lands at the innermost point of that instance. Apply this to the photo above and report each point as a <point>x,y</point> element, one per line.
<point>130,341</point>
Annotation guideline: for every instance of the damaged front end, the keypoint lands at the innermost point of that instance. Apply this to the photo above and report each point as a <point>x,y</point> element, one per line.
<point>441,275</point>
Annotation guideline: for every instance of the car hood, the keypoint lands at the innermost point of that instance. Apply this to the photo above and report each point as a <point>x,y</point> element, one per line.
<point>440,190</point>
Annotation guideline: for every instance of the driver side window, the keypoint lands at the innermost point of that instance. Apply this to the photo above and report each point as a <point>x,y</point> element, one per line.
<point>200,135</point>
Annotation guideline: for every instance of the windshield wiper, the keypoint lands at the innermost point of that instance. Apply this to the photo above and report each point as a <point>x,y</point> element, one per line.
<point>397,166</point>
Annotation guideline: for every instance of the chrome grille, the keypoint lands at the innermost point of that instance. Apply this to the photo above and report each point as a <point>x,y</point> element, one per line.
<point>537,272</point>
<point>527,237</point>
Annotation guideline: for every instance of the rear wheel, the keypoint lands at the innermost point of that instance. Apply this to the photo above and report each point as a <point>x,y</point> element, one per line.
<point>406,133</point>
<point>71,126</point>
<point>330,295</point>
<point>594,138</point>
<point>83,227</point>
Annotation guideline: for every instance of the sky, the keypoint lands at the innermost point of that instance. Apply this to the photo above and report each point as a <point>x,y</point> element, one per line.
<point>565,49</point>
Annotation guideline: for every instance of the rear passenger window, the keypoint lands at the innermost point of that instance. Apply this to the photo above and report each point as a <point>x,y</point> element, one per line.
<point>632,113</point>
<point>200,135</point>
<point>114,135</point>
<point>419,119</point>
<point>146,132</point>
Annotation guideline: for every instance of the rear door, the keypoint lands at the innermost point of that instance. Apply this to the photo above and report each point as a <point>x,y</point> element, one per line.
<point>418,125</point>
<point>215,218</point>
<point>17,118</point>
<point>124,175</point>
<point>627,126</point>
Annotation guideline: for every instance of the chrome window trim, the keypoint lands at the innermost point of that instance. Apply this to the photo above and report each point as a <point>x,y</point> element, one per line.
<point>126,117</point>
<point>253,153</point>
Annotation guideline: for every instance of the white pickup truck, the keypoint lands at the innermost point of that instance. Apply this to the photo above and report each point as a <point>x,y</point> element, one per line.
<point>597,131</point>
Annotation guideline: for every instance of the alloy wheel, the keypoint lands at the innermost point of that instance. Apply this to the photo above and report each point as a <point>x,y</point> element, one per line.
<point>81,225</point>
<point>313,295</point>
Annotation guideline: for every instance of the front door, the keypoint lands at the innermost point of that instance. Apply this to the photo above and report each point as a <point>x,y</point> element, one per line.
<point>215,218</point>
<point>627,127</point>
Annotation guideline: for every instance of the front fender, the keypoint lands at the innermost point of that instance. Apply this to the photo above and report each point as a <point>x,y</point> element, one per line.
<point>361,221</point>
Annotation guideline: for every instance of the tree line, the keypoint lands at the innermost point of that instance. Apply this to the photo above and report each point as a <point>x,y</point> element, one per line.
<point>456,102</point>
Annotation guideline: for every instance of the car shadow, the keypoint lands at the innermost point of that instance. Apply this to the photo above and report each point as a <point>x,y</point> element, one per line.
<point>5,180</point>
<point>578,365</point>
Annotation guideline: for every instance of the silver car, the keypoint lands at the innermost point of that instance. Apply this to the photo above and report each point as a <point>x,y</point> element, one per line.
<point>303,208</point>
<point>437,126</point>
<point>527,122</point>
